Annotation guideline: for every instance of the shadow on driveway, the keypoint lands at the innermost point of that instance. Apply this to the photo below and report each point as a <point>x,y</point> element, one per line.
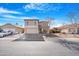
<point>69,44</point>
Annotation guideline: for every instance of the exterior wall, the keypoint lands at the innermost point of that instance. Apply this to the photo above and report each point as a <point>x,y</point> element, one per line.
<point>32,26</point>
<point>19,30</point>
<point>43,25</point>
<point>32,30</point>
<point>71,30</point>
<point>25,29</point>
<point>78,30</point>
<point>64,31</point>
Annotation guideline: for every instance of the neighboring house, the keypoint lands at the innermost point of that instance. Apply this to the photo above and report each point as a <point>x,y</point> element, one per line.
<point>72,29</point>
<point>13,28</point>
<point>35,26</point>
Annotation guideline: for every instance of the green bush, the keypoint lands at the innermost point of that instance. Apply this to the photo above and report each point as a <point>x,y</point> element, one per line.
<point>54,31</point>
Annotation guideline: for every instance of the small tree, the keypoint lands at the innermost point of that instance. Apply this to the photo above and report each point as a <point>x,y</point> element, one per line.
<point>73,19</point>
<point>55,30</point>
<point>50,22</point>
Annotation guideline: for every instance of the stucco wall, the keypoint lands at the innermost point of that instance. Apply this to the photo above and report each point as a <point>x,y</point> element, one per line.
<point>65,31</point>
<point>31,27</point>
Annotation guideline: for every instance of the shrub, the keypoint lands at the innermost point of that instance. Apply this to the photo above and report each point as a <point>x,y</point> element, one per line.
<point>54,31</point>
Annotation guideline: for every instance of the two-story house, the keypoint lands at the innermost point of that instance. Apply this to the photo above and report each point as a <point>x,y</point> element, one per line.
<point>35,26</point>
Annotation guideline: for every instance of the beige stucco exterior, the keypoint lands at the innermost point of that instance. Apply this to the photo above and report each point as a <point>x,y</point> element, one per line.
<point>72,29</point>
<point>43,25</point>
<point>31,26</point>
<point>65,31</point>
<point>35,26</point>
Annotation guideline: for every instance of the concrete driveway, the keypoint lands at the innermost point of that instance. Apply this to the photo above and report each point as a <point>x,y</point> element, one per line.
<point>33,48</point>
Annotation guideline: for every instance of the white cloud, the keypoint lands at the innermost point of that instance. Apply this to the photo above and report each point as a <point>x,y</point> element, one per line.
<point>10,16</point>
<point>36,6</point>
<point>29,17</point>
<point>42,7</point>
<point>18,17</point>
<point>3,10</point>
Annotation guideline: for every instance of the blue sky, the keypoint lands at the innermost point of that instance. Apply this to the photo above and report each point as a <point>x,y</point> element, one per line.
<point>17,12</point>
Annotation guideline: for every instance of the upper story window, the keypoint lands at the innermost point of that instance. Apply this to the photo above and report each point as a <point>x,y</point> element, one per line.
<point>34,22</point>
<point>31,23</point>
<point>27,23</point>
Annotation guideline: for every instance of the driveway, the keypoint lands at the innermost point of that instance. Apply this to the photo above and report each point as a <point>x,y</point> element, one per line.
<point>11,37</point>
<point>49,47</point>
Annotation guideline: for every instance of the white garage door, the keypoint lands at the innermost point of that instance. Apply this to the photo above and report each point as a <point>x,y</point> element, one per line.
<point>32,30</point>
<point>7,29</point>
